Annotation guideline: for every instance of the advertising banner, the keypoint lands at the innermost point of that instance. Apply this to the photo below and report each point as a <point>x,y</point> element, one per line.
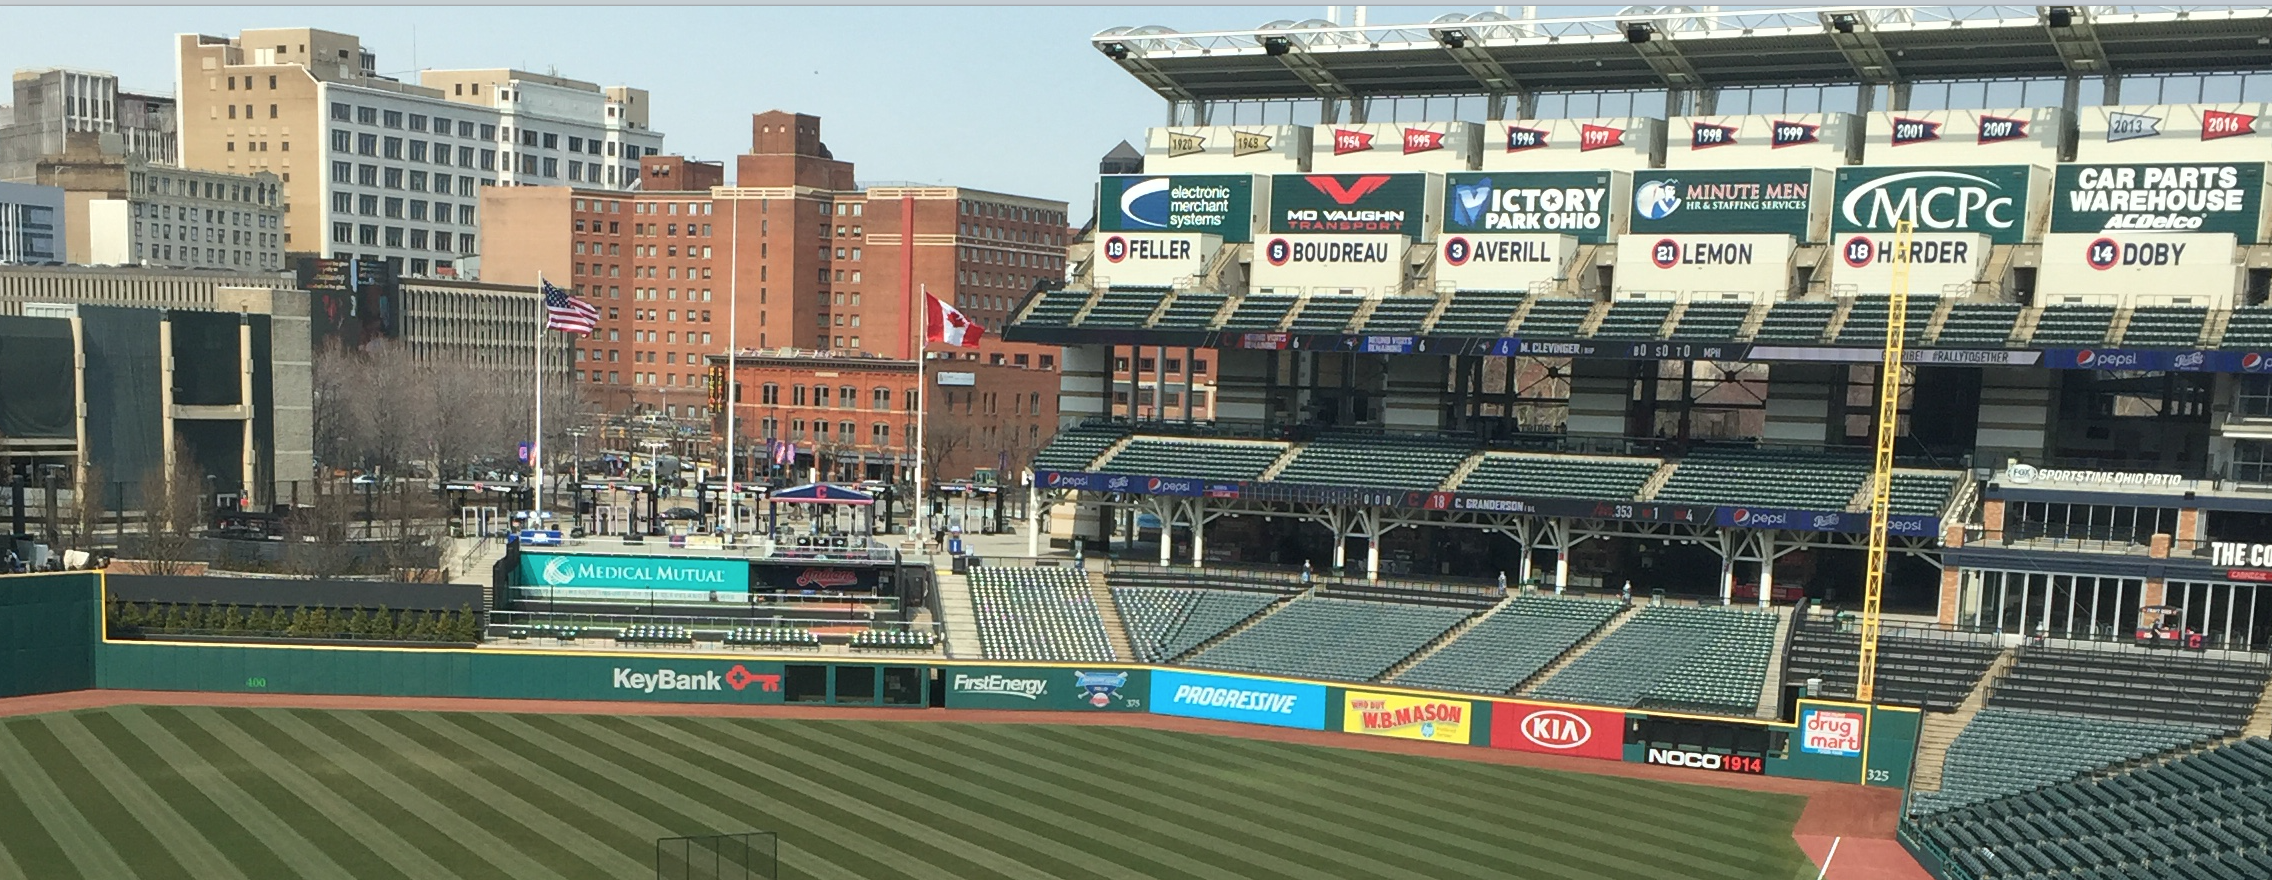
<point>1589,205</point>
<point>1214,204</point>
<point>2210,197</point>
<point>2025,135</point>
<point>634,572</point>
<point>2172,133</point>
<point>818,578</point>
<point>1041,687</point>
<point>1940,264</point>
<point>1238,698</point>
<point>1157,258</point>
<point>1357,264</point>
<point>2158,360</point>
<point>1408,717</point>
<point>1998,201</point>
<point>2202,267</point>
<point>1396,146</point>
<point>1779,201</point>
<point>1684,265</point>
<point>1262,149</point>
<point>1604,144</point>
<point>1821,521</point>
<point>1831,732</point>
<point>1375,204</point>
<point>1502,262</point>
<point>1557,730</point>
<point>1813,140</point>
<point>1706,761</point>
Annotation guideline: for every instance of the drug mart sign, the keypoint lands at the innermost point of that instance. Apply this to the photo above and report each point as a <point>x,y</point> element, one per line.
<point>1831,732</point>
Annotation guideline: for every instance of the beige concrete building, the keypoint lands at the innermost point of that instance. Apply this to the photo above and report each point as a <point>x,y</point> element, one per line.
<point>54,105</point>
<point>121,209</point>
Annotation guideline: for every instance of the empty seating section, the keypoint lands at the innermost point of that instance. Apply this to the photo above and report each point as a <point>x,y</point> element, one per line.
<point>2249,328</point>
<point>1031,613</point>
<point>1327,313</point>
<point>1560,476</point>
<point>1684,657</point>
<point>1164,623</point>
<point>1400,314</point>
<point>1199,459</point>
<point>2073,325</point>
<point>1766,478</point>
<point>2132,684</point>
<point>1190,311</point>
<point>1934,674</point>
<point>773,637</point>
<point>1075,448</point>
<point>1260,311</point>
<point>2005,751</point>
<point>1555,318</point>
<point>2165,327</point>
<point>1509,647</point>
<point>1387,461</point>
<point>1124,307</point>
<point>1978,325</point>
<point>1712,321</point>
<point>2205,815</point>
<point>1634,319</point>
<point>1796,320</point>
<point>1331,638</point>
<point>1921,494</point>
<point>1478,313</point>
<point>1867,320</point>
<point>1056,308</point>
<point>895,640</point>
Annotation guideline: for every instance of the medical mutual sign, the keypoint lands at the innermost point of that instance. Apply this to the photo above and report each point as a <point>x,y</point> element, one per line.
<point>634,573</point>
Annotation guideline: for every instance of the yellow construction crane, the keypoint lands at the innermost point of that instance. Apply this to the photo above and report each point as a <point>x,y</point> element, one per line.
<point>1881,477</point>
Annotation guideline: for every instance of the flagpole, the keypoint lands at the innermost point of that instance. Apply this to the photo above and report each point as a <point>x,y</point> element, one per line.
<point>922,514</point>
<point>536,444</point>
<point>733,353</point>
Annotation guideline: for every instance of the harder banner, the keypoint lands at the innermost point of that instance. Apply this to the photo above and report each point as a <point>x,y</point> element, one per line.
<point>1064,688</point>
<point>1240,699</point>
<point>634,572</point>
<point>1433,719</point>
<point>1558,730</point>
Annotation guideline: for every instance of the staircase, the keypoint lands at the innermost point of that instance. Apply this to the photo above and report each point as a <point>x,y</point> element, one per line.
<point>1771,687</point>
<point>1202,648</point>
<point>1293,451</point>
<point>2024,328</point>
<point>1622,616</point>
<point>1443,301</point>
<point>1115,630</point>
<point>1594,318</point>
<point>2213,330</point>
<point>1449,636</point>
<point>959,616</point>
<point>1673,318</point>
<point>1838,317</point>
<point>2116,328</point>
<point>1460,474</point>
<point>1521,312</point>
<point>1940,730</point>
<point>1752,321</point>
<point>2260,724</point>
<point>1657,481</point>
<point>1096,295</point>
<point>472,559</point>
<point>1938,319</point>
<point>1114,449</point>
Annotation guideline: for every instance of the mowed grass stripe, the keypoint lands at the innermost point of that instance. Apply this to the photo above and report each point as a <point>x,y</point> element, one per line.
<point>189,752</point>
<point>212,841</point>
<point>544,829</point>
<point>79,848</point>
<point>970,860</point>
<point>28,851</point>
<point>844,838</point>
<point>145,856</point>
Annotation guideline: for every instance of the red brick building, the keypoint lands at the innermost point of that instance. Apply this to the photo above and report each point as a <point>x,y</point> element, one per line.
<point>853,416</point>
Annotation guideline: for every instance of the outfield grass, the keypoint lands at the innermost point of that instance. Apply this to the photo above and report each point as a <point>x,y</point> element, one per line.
<point>219,794</point>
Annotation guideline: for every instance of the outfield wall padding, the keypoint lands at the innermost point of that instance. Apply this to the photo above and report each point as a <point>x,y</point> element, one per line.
<point>48,634</point>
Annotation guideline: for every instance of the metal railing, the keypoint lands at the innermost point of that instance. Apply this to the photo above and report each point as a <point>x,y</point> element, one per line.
<point>1290,579</point>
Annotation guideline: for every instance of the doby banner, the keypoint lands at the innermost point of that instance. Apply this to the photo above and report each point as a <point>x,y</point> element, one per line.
<point>1433,719</point>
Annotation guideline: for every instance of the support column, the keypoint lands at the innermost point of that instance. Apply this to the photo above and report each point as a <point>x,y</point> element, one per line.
<point>1766,568</point>
<point>2155,591</point>
<point>1033,521</point>
<point>1523,537</point>
<point>1166,512</point>
<point>1338,522</point>
<point>1952,580</point>
<point>1727,569</point>
<point>1372,520</point>
<point>1992,519</point>
<point>1198,525</point>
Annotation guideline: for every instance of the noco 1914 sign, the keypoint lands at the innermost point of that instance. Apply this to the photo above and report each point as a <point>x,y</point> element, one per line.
<point>1574,203</point>
<point>1776,200</point>
<point>1216,204</point>
<point>2192,197</point>
<point>1991,200</point>
<point>1390,204</point>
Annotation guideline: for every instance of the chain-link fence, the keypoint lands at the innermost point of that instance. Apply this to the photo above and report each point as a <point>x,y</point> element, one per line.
<point>751,855</point>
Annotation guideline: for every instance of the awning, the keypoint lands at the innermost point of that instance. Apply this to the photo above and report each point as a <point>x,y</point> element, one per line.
<point>823,493</point>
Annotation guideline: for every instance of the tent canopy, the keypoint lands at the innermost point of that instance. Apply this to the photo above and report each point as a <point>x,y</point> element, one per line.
<point>823,493</point>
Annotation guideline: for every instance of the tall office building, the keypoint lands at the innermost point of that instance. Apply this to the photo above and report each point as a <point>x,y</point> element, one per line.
<point>55,104</point>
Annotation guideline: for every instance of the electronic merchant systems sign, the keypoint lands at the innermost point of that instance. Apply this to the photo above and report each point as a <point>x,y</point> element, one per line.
<point>1216,204</point>
<point>1776,200</point>
<point>1992,200</point>
<point>2192,197</point>
<point>1392,204</point>
<point>1582,204</point>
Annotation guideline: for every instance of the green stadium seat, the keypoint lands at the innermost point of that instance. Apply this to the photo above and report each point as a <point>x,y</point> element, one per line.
<point>1504,650</point>
<point>2165,327</point>
<point>1560,476</point>
<point>1554,318</point>
<point>1978,325</point>
<point>1076,448</point>
<point>1478,313</point>
<point>1674,657</point>
<point>1800,321</point>
<point>1399,315</point>
<point>1634,319</point>
<point>1165,623</point>
<point>1191,311</point>
<point>1198,459</point>
<point>1332,638</point>
<point>1867,320</point>
<point>1711,321</point>
<point>2072,325</point>
<point>1356,459</point>
<point>1035,613</point>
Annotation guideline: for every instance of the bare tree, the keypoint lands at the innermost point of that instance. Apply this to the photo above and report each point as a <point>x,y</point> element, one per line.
<point>317,540</point>
<point>81,520</point>
<point>173,511</point>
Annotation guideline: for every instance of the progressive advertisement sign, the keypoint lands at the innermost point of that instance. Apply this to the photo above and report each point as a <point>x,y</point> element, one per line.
<point>1408,717</point>
<point>1601,144</point>
<point>1818,140</point>
<point>634,572</point>
<point>1684,265</point>
<point>2207,197</point>
<point>1774,201</point>
<point>1372,204</point>
<point>1396,146</point>
<point>1356,263</point>
<point>2121,263</point>
<point>1587,205</point>
<point>1069,689</point>
<point>2172,132</point>
<point>1558,730</point>
<point>1997,201</point>
<point>1237,698</point>
<point>1214,204</point>
<point>1160,258</point>
<point>1502,262</point>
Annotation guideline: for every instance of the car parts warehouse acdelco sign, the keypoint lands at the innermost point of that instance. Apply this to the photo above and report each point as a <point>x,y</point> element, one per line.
<point>1993,200</point>
<point>2177,197</point>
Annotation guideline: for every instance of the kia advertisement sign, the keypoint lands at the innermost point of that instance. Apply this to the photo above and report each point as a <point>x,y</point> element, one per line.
<point>1373,204</point>
<point>1395,146</point>
<point>1587,205</point>
<point>1774,201</point>
<point>1213,204</point>
<point>1816,140</point>
<point>1558,730</point>
<point>2119,264</point>
<point>1992,200</point>
<point>2196,197</point>
<point>1160,258</point>
<point>1592,145</point>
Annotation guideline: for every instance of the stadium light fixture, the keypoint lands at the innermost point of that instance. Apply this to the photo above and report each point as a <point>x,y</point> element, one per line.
<point>1637,33</point>
<point>1452,39</point>
<point>2060,16</point>
<point>1277,46</point>
<point>1115,51</point>
<point>1843,23</point>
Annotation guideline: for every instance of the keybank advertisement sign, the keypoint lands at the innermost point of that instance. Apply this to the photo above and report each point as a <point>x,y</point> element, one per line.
<point>1584,204</point>
<point>1217,204</point>
<point>2201,197</point>
<point>1988,199</point>
<point>1063,688</point>
<point>1245,700</point>
<point>1390,204</point>
<point>1775,200</point>
<point>634,572</point>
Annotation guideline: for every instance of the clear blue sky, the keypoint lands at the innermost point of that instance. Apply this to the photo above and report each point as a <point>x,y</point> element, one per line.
<point>1010,99</point>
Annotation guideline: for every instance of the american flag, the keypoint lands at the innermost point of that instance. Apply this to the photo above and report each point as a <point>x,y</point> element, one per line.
<point>567,313</point>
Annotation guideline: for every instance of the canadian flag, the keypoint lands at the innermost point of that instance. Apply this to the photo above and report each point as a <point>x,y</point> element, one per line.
<point>944,323</point>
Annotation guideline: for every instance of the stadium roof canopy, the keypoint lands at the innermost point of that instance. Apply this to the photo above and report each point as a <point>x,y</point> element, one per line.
<point>1488,53</point>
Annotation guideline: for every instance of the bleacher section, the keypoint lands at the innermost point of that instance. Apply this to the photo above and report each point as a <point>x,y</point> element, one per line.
<point>1124,306</point>
<point>1073,449</point>
<point>1555,318</point>
<point>1349,459</point>
<point>1766,478</point>
<point>1057,307</point>
<point>1634,319</point>
<point>2133,684</point>
<point>1399,315</point>
<point>1201,459</point>
<point>2073,325</point>
<point>1921,494</point>
<point>1164,623</point>
<point>1332,638</point>
<point>772,637</point>
<point>1560,476</point>
<point>2205,815</point>
<point>1502,651</point>
<point>1866,321</point>
<point>1675,657</point>
<point>1931,673</point>
<point>2249,328</point>
<point>1260,312</point>
<point>894,640</point>
<point>1796,321</point>
<point>1711,321</point>
<point>1978,325</point>
<point>1326,313</point>
<point>1478,313</point>
<point>2005,751</point>
<point>2165,327</point>
<point>1027,613</point>
<point>1190,311</point>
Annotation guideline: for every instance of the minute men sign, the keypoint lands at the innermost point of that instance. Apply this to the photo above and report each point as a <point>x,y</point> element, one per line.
<point>1993,200</point>
<point>1384,204</point>
<point>1764,201</point>
<point>2187,197</point>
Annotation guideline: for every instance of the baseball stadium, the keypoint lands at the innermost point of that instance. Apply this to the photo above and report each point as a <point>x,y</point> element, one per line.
<point>1809,443</point>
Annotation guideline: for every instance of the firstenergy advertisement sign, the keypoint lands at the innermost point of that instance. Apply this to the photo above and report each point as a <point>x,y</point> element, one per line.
<point>1406,717</point>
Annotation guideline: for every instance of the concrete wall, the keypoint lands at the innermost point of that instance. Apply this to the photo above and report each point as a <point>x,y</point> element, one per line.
<point>1598,393</point>
<point>2015,410</point>
<point>1415,385</point>
<point>1798,402</point>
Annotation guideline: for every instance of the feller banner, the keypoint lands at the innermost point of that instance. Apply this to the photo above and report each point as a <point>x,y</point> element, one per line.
<point>1405,717</point>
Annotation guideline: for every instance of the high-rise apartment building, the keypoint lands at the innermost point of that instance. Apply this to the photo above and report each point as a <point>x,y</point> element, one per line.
<point>387,170</point>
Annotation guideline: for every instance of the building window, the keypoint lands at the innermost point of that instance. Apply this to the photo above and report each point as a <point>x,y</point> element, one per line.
<point>342,141</point>
<point>367,144</point>
<point>342,233</point>
<point>369,205</point>
<point>2252,461</point>
<point>391,148</point>
<point>340,112</point>
<point>2255,396</point>
<point>393,119</point>
<point>394,178</point>
<point>367,175</point>
<point>367,234</point>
